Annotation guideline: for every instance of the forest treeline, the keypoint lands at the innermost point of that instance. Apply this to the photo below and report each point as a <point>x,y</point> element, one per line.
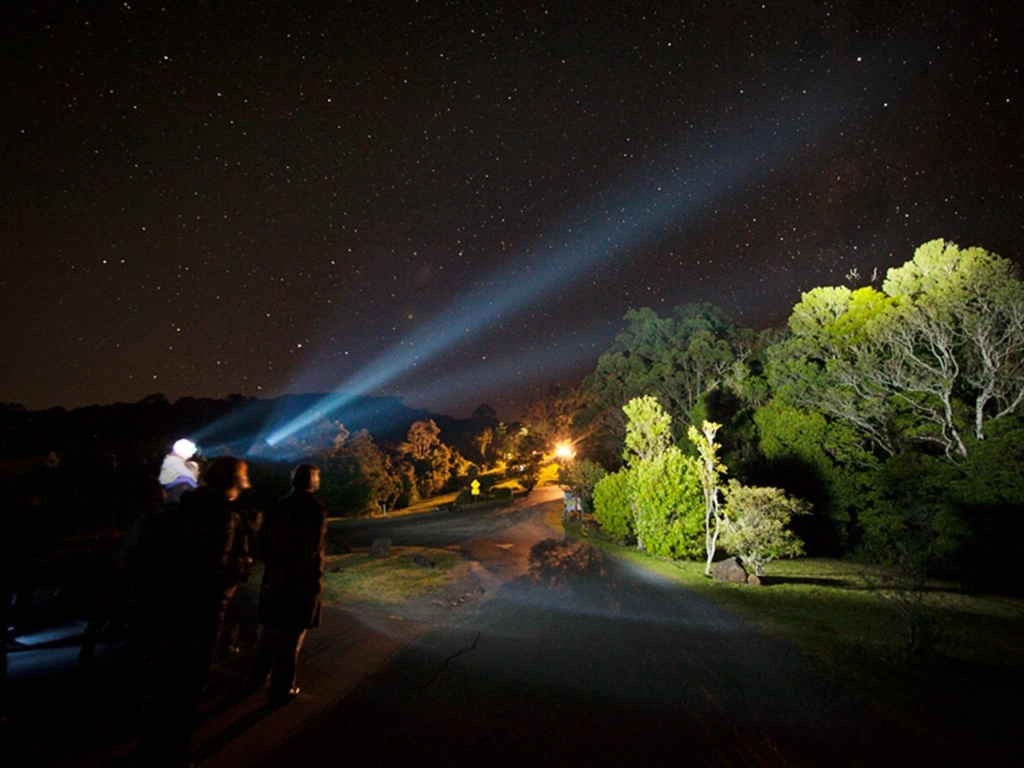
<point>74,466</point>
<point>893,409</point>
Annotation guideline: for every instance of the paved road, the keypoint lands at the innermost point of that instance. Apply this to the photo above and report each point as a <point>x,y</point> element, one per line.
<point>577,659</point>
<point>449,528</point>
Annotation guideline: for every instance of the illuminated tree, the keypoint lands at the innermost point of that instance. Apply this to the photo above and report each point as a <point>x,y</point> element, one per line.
<point>968,318</point>
<point>665,495</point>
<point>755,525</point>
<point>528,456</point>
<point>612,509</point>
<point>648,429</point>
<point>506,440</point>
<point>710,471</point>
<point>423,438</point>
<point>483,441</point>
<point>915,363</point>
<point>942,347</point>
<point>358,477</point>
<point>662,484</point>
<point>485,421</point>
<point>675,359</point>
<point>824,365</point>
<point>580,477</point>
<point>894,398</point>
<point>549,415</point>
<point>431,459</point>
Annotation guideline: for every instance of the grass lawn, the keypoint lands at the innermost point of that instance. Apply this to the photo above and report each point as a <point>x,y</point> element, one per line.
<point>426,505</point>
<point>435,502</point>
<point>970,683</point>
<point>395,580</point>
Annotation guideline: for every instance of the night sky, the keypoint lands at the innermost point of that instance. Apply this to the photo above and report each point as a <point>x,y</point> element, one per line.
<point>456,202</point>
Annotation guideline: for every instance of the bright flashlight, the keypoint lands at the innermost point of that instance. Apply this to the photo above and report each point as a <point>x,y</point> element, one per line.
<point>184,448</point>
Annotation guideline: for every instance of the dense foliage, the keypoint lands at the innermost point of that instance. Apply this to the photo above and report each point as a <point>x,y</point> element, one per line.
<point>667,503</point>
<point>358,477</point>
<point>894,410</point>
<point>675,359</point>
<point>581,477</point>
<point>611,507</point>
<point>656,498</point>
<point>756,521</point>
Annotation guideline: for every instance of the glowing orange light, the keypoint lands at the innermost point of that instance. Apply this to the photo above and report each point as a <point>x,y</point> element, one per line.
<point>564,451</point>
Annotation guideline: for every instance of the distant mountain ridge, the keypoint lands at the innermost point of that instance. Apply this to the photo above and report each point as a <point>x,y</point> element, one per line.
<point>152,423</point>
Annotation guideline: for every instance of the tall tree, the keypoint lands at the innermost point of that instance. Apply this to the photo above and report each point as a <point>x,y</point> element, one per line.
<point>821,366</point>
<point>549,414</point>
<point>648,429</point>
<point>423,437</point>
<point>676,359</point>
<point>358,477</point>
<point>482,442</point>
<point>662,483</point>
<point>431,459</point>
<point>612,509</point>
<point>711,470</point>
<point>484,421</point>
<point>967,321</point>
<point>485,416</point>
<point>942,346</point>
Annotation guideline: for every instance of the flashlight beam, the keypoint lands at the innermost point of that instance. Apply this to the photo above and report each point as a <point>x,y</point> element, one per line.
<point>614,225</point>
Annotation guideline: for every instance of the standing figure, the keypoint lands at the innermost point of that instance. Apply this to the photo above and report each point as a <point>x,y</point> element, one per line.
<point>203,555</point>
<point>292,542</point>
<point>138,500</point>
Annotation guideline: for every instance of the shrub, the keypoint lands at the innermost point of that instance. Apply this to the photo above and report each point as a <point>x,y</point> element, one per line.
<point>611,506</point>
<point>667,503</point>
<point>755,525</point>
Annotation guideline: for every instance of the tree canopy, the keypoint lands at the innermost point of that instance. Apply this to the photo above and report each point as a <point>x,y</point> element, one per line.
<point>675,359</point>
<point>894,408</point>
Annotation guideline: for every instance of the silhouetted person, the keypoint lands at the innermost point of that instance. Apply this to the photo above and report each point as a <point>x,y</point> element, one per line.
<point>239,612</point>
<point>205,554</point>
<point>292,542</point>
<point>139,498</point>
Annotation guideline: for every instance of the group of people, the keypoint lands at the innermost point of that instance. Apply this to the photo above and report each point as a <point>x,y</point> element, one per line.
<point>197,553</point>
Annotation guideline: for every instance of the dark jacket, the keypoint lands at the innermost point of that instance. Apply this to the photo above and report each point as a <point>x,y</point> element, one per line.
<point>292,542</point>
<point>203,553</point>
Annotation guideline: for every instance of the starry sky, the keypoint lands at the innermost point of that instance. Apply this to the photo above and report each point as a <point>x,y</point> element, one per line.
<point>456,202</point>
